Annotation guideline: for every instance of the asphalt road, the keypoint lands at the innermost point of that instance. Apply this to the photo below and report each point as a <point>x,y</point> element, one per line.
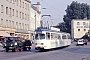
<point>72,52</point>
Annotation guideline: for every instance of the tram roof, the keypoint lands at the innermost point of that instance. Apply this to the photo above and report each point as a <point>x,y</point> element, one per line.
<point>47,30</point>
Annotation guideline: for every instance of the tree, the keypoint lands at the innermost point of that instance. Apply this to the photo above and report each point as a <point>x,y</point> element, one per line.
<point>75,11</point>
<point>63,27</point>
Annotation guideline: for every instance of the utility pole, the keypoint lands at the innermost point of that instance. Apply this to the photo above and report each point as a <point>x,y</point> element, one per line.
<point>52,22</point>
<point>35,21</point>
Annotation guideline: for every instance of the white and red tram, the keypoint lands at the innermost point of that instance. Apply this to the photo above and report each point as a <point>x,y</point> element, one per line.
<point>49,39</point>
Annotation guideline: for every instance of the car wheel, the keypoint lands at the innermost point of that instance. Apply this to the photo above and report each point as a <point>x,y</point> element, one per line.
<point>29,48</point>
<point>13,50</point>
<point>82,44</point>
<point>6,49</point>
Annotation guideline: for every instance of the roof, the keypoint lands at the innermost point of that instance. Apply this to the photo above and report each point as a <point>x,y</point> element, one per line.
<point>48,30</point>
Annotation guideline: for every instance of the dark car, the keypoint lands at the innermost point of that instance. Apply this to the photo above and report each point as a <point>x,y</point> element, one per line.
<point>13,44</point>
<point>27,45</point>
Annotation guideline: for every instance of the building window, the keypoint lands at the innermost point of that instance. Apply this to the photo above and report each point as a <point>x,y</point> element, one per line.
<point>23,4</point>
<point>25,16</point>
<point>19,25</point>
<point>10,1</point>
<point>17,2</point>
<point>84,29</point>
<point>9,23</point>
<point>20,15</point>
<point>1,22</point>
<point>2,8</point>
<point>10,12</point>
<point>6,23</point>
<point>16,13</point>
<point>13,1</point>
<point>13,11</point>
<point>20,3</point>
<point>28,17</point>
<point>22,25</point>
<point>6,10</point>
<point>28,6</point>
<point>84,23</point>
<point>78,29</point>
<point>12,24</point>
<point>16,25</point>
<point>25,27</point>
<point>78,23</point>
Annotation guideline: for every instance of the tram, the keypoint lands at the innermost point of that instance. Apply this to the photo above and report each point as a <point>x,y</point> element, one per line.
<point>49,39</point>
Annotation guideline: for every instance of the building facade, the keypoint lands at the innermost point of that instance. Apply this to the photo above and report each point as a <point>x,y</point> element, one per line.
<point>79,28</point>
<point>15,17</point>
<point>35,18</point>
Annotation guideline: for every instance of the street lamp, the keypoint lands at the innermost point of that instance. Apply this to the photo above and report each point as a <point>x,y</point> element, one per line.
<point>43,8</point>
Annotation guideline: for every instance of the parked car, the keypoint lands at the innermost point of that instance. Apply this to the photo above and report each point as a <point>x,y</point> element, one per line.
<point>80,42</point>
<point>16,44</point>
<point>13,44</point>
<point>27,45</point>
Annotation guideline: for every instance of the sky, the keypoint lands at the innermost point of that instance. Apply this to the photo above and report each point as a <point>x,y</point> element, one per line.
<point>56,9</point>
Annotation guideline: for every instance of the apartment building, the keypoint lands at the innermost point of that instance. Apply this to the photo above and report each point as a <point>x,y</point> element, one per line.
<point>15,17</point>
<point>35,18</point>
<point>79,28</point>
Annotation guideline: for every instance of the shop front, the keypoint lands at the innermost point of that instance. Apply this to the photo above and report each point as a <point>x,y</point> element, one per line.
<point>23,33</point>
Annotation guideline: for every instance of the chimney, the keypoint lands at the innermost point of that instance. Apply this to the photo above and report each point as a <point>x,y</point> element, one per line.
<point>85,18</point>
<point>38,3</point>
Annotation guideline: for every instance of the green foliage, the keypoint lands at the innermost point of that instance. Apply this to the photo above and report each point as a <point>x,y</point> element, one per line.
<point>75,11</point>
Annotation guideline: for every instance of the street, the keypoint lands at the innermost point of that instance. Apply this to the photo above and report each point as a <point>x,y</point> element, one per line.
<point>72,52</point>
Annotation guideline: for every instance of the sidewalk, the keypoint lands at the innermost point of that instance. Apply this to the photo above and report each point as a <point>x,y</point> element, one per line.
<point>87,57</point>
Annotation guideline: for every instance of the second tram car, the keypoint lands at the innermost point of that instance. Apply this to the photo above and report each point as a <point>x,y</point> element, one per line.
<point>49,39</point>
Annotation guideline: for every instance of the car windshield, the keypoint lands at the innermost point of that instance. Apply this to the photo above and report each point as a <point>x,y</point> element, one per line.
<point>80,40</point>
<point>10,39</point>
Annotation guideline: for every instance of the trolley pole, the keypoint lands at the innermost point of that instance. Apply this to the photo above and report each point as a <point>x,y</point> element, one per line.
<point>47,21</point>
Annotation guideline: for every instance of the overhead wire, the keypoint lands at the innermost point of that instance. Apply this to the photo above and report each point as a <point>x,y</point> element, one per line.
<point>51,6</point>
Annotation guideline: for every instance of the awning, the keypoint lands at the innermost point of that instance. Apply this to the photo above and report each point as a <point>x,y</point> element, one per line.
<point>4,33</point>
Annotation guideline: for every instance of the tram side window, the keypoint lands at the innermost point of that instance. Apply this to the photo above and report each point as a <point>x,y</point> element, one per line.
<point>47,35</point>
<point>59,37</point>
<point>68,36</point>
<point>56,36</point>
<point>52,36</point>
<point>64,37</point>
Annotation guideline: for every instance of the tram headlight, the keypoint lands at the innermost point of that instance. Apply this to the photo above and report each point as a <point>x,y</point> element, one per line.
<point>5,45</point>
<point>15,43</point>
<point>42,43</point>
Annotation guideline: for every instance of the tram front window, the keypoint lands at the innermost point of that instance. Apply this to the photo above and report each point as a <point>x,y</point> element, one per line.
<point>39,36</point>
<point>36,36</point>
<point>42,36</point>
